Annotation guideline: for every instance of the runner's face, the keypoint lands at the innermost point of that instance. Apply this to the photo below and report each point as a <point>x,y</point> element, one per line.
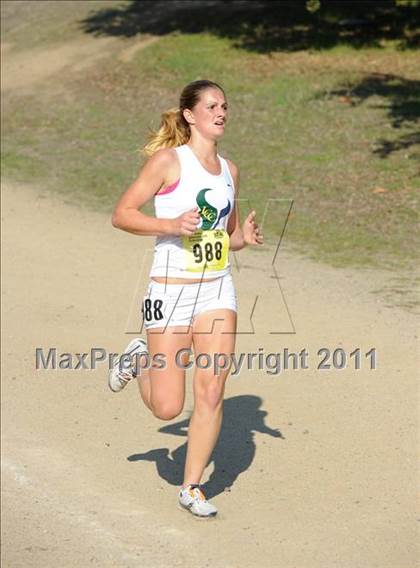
<point>209,115</point>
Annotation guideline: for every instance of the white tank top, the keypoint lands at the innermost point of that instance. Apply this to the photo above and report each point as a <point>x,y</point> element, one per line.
<point>183,257</point>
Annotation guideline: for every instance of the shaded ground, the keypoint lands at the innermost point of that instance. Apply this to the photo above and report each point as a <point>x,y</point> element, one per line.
<point>266,26</point>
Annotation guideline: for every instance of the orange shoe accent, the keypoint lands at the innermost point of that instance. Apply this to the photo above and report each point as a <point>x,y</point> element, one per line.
<point>191,492</point>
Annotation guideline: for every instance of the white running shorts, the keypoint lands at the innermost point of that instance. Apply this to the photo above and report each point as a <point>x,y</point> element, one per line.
<point>177,304</point>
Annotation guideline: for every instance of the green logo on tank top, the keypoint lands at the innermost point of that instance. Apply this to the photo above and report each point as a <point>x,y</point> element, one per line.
<point>208,212</point>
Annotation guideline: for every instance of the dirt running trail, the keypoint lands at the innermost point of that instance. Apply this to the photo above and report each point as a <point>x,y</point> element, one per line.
<point>320,464</point>
<point>28,70</point>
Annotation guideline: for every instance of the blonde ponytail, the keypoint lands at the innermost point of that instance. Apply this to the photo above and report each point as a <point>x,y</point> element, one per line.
<point>173,131</point>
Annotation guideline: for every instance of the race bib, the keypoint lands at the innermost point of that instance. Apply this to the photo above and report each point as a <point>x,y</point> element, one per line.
<point>206,250</point>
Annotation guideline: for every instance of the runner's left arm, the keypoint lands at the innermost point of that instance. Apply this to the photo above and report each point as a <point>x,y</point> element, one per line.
<point>249,233</point>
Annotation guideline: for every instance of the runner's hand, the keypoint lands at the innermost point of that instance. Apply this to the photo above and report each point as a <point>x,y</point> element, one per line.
<point>187,223</point>
<point>251,231</point>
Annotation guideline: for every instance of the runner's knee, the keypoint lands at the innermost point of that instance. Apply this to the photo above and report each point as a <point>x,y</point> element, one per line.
<point>166,410</point>
<point>209,396</point>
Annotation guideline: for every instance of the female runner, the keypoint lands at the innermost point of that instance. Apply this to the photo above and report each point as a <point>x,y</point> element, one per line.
<point>191,299</point>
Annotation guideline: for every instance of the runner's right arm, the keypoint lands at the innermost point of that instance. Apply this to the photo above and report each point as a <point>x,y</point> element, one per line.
<point>152,177</point>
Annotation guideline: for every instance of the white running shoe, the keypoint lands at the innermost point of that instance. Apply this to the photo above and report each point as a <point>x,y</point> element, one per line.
<point>123,371</point>
<point>192,499</point>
